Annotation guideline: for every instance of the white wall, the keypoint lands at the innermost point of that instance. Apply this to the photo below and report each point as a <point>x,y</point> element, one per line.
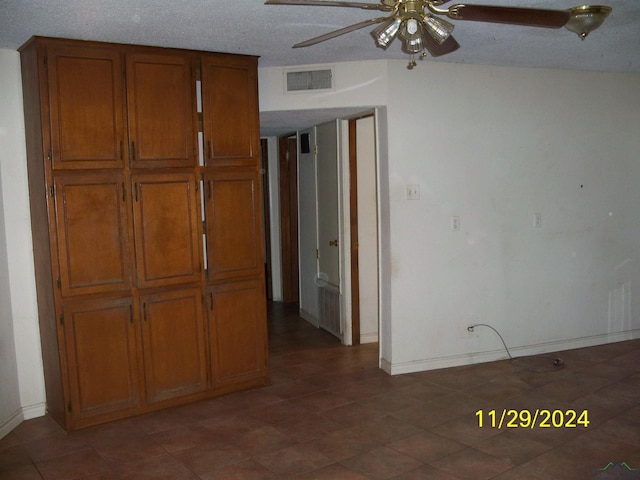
<point>17,227</point>
<point>494,146</point>
<point>10,409</point>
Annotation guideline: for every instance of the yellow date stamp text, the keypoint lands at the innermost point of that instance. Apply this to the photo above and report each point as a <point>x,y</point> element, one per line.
<point>540,417</point>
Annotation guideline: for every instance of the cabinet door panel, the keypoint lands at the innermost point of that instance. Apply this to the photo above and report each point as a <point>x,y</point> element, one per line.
<point>101,355</point>
<point>237,330</point>
<point>160,96</point>
<point>229,97</point>
<point>91,219</point>
<point>174,344</point>
<point>166,229</point>
<point>87,111</point>
<point>234,224</point>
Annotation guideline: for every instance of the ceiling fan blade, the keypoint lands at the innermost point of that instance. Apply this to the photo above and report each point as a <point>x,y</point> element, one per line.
<point>337,33</point>
<point>534,17</point>
<point>328,3</point>
<point>436,49</point>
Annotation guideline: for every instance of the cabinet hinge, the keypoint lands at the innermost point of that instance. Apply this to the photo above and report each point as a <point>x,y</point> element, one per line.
<point>317,253</point>
<point>52,191</point>
<point>315,149</point>
<point>45,61</point>
<point>69,406</point>
<point>49,155</point>
<point>62,319</point>
<point>59,283</point>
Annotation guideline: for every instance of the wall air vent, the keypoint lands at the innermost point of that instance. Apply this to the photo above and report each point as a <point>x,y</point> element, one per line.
<point>309,80</point>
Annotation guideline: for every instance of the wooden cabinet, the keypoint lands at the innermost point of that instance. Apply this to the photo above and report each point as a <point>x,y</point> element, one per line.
<point>234,220</point>
<point>102,358</point>
<point>149,261</point>
<point>86,100</point>
<point>166,229</point>
<point>229,98</point>
<point>237,327</point>
<point>92,232</point>
<point>173,344</point>
<point>160,99</point>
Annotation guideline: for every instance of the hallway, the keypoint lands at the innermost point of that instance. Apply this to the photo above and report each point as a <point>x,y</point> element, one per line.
<point>330,413</point>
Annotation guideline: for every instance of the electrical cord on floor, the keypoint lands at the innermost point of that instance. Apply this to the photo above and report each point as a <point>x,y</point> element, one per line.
<point>471,327</point>
<point>557,362</point>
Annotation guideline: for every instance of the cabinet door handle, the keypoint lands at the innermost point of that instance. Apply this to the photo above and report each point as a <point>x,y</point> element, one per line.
<point>124,192</point>
<point>209,151</point>
<point>131,314</point>
<point>133,151</point>
<point>121,149</point>
<point>333,243</point>
<point>210,189</point>
<point>144,311</point>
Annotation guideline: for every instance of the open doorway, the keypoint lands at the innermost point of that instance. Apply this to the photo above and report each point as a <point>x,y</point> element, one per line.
<point>299,182</point>
<point>363,226</point>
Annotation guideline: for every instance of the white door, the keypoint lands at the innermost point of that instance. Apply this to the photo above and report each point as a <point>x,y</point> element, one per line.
<point>308,228</point>
<point>328,204</point>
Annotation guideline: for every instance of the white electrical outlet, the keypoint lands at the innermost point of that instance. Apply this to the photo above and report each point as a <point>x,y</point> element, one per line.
<point>413,192</point>
<point>537,220</point>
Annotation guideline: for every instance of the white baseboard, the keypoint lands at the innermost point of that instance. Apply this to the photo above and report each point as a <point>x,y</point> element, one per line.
<point>20,415</point>
<point>6,426</point>
<point>490,356</point>
<point>34,411</point>
<point>369,337</point>
<point>309,318</point>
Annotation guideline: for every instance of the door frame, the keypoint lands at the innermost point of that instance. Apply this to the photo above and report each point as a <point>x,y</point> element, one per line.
<point>264,162</point>
<point>352,223</point>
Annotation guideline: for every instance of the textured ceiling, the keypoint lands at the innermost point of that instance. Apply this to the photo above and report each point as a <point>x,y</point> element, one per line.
<point>269,31</point>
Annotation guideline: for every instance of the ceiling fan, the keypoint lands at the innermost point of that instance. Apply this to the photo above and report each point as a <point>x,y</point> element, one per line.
<point>422,28</point>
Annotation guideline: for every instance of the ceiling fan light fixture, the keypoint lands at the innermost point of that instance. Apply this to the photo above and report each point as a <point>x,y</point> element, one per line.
<point>586,18</point>
<point>386,32</point>
<point>438,28</point>
<point>413,45</point>
<point>410,28</point>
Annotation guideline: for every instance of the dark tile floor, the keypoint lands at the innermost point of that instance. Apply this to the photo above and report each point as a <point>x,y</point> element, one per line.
<point>330,413</point>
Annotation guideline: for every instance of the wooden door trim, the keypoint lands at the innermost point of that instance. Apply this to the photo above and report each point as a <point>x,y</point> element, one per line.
<point>289,219</point>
